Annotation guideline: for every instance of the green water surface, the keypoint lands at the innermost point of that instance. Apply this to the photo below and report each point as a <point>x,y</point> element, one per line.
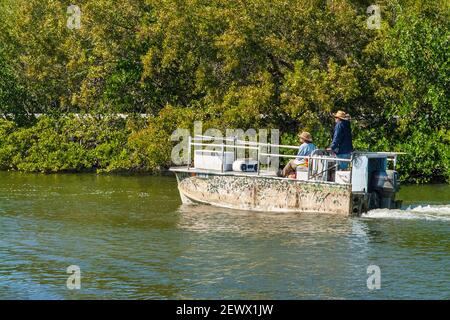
<point>133,239</point>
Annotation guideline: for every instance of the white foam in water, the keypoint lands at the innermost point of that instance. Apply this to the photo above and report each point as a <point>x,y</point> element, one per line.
<point>428,212</point>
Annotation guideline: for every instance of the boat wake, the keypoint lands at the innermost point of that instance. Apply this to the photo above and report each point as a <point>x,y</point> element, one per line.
<point>425,212</point>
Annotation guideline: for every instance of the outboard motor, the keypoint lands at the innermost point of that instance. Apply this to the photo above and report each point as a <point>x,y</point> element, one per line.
<point>386,184</point>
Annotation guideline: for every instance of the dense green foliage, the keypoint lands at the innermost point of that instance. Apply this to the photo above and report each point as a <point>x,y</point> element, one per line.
<point>72,143</point>
<point>283,64</point>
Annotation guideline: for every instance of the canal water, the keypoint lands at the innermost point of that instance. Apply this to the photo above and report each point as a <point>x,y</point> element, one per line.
<point>132,239</point>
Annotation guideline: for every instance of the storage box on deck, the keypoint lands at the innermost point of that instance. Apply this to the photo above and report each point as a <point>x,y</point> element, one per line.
<point>302,173</point>
<point>245,165</point>
<point>213,160</point>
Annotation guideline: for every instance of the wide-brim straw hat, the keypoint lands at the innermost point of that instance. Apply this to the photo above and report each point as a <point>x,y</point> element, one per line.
<point>306,136</point>
<point>342,115</point>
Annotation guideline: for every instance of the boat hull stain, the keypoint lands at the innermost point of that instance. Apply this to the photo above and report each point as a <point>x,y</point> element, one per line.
<point>264,193</point>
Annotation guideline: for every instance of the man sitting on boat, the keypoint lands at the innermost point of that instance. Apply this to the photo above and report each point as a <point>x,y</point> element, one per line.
<point>305,149</point>
<point>342,145</point>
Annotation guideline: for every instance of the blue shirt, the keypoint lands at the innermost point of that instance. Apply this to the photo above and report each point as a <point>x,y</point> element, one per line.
<point>342,138</point>
<point>305,150</point>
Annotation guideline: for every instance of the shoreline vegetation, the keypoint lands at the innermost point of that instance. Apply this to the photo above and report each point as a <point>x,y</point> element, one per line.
<point>283,64</point>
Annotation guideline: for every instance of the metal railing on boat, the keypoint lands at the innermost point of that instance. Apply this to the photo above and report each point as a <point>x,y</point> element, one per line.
<point>257,146</point>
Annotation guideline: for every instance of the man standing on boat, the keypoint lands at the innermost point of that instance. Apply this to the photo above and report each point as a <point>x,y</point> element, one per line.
<point>305,149</point>
<point>342,139</point>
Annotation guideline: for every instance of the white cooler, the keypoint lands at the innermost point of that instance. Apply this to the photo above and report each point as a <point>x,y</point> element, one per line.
<point>212,160</point>
<point>301,173</point>
<point>245,165</point>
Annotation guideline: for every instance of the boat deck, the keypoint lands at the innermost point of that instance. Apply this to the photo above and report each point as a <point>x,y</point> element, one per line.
<point>261,174</point>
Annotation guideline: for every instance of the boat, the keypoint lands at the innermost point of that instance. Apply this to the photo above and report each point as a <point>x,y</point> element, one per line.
<point>216,177</point>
